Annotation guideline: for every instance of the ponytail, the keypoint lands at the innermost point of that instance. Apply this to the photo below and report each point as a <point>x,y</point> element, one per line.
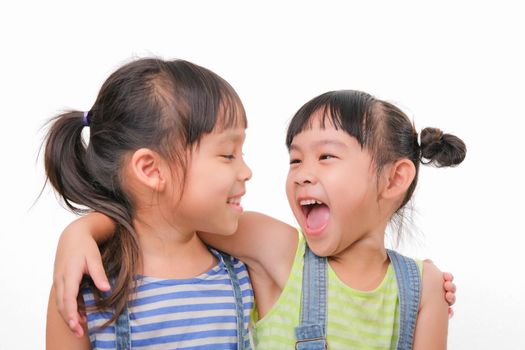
<point>65,154</point>
<point>68,165</point>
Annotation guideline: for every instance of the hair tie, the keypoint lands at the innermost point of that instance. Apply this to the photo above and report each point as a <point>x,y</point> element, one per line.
<point>85,119</point>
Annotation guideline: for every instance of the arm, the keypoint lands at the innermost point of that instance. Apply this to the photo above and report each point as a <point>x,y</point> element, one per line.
<point>58,335</point>
<point>77,253</point>
<point>432,321</point>
<point>265,244</point>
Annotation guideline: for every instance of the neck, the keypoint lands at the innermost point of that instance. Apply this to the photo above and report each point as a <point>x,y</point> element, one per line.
<point>168,251</point>
<point>363,263</point>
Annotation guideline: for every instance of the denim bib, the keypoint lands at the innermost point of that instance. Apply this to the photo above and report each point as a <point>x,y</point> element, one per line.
<point>311,333</point>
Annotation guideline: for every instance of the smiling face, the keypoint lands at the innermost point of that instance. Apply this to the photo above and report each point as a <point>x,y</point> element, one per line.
<point>331,188</point>
<point>215,183</point>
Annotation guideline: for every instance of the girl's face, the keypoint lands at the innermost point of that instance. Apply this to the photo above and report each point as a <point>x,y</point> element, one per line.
<point>215,183</point>
<point>331,188</point>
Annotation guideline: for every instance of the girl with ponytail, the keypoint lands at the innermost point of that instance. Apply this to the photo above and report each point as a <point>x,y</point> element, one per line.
<point>157,130</point>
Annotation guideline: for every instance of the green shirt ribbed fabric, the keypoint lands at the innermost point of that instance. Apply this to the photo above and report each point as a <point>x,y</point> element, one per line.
<point>356,319</point>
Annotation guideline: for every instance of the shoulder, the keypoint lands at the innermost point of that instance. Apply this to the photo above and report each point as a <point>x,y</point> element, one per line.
<point>432,321</point>
<point>432,285</point>
<point>431,274</point>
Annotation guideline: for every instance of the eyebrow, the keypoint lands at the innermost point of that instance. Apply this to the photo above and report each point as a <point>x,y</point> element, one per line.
<point>232,137</point>
<point>336,143</point>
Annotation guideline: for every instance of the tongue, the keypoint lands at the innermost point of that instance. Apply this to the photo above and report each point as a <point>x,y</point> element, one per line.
<point>317,217</point>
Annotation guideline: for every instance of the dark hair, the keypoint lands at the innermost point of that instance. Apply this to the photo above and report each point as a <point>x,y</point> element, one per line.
<point>381,128</point>
<point>166,106</point>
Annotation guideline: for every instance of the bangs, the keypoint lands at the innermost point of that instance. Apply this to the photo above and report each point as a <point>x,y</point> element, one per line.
<point>346,110</point>
<point>230,112</point>
<point>211,103</point>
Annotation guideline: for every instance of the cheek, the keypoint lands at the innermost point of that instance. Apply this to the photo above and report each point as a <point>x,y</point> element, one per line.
<point>349,190</point>
<point>289,190</point>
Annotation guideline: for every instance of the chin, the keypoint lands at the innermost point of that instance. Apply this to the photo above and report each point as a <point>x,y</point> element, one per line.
<point>230,230</point>
<point>319,248</point>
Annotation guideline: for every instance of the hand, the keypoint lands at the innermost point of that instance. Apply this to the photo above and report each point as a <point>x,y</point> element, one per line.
<point>77,254</point>
<point>450,292</point>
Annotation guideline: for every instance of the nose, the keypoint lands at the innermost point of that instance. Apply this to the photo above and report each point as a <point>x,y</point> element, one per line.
<point>245,172</point>
<point>304,177</point>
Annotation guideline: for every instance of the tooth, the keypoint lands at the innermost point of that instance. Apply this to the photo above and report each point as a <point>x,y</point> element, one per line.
<point>309,202</point>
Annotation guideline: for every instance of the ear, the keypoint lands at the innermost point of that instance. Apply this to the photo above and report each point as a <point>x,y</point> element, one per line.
<point>400,177</point>
<point>149,169</point>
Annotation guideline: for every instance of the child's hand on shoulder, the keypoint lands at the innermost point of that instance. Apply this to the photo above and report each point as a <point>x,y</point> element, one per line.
<point>77,254</point>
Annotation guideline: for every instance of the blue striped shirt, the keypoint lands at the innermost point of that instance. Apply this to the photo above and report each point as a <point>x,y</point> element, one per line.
<point>195,313</point>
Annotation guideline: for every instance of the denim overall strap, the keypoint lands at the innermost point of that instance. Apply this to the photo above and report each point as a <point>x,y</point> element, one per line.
<point>409,286</point>
<point>241,332</point>
<point>122,331</point>
<point>311,333</point>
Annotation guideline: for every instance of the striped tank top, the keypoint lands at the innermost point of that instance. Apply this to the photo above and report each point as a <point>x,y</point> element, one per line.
<point>195,313</point>
<point>356,319</point>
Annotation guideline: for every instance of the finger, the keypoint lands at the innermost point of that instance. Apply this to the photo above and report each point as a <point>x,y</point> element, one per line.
<point>67,311</point>
<point>450,287</point>
<point>447,276</point>
<point>450,298</point>
<point>77,329</point>
<point>58,289</point>
<point>450,312</point>
<point>428,261</point>
<point>70,306</point>
<point>71,320</point>
<point>97,273</point>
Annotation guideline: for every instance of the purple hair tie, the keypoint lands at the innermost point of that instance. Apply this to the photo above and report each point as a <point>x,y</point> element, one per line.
<point>85,119</point>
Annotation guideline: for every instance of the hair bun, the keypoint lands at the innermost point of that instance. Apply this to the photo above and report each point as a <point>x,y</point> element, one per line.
<point>441,149</point>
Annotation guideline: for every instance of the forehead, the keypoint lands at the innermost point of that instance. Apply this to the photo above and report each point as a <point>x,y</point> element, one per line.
<point>318,135</point>
<point>230,135</point>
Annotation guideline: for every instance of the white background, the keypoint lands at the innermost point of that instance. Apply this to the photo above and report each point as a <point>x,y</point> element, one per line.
<point>452,65</point>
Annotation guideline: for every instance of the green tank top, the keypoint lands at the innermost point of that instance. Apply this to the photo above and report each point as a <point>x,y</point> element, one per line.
<point>356,319</point>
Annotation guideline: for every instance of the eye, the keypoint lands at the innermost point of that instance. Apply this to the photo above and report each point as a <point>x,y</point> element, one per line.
<point>228,156</point>
<point>326,157</point>
<point>294,161</point>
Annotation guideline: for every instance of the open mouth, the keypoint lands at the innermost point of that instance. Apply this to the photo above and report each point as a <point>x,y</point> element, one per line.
<point>316,214</point>
<point>235,202</point>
